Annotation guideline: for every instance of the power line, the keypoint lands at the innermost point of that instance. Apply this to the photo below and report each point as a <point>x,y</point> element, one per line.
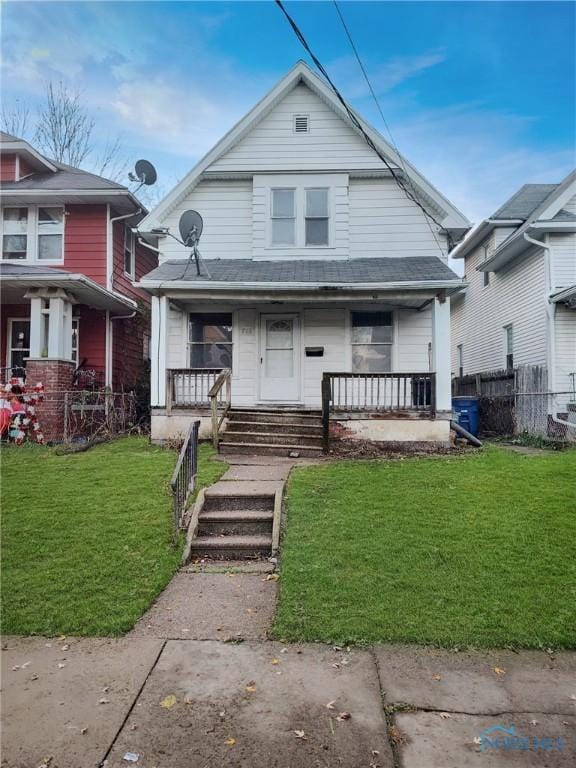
<point>381,111</point>
<point>353,118</point>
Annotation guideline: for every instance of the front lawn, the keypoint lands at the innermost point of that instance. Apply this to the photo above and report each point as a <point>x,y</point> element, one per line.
<point>86,537</point>
<point>463,551</point>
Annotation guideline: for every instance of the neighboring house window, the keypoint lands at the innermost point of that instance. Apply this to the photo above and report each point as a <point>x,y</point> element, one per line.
<point>33,233</point>
<point>129,252</point>
<point>460,360</point>
<point>50,234</point>
<point>210,340</point>
<point>75,341</point>
<point>317,217</point>
<point>14,233</point>
<point>372,337</point>
<point>18,342</point>
<point>509,346</point>
<point>283,216</point>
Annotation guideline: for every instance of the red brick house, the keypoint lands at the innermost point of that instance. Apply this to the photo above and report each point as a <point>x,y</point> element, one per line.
<point>69,262</point>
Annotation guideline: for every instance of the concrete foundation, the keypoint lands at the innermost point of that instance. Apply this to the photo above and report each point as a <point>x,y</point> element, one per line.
<point>396,430</point>
<point>174,425</point>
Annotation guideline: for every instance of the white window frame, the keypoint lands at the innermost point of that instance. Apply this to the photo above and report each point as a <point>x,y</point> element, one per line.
<point>293,218</point>
<point>391,344</point>
<point>130,248</point>
<point>76,357</point>
<point>301,187</point>
<point>191,344</point>
<point>9,347</point>
<point>33,233</point>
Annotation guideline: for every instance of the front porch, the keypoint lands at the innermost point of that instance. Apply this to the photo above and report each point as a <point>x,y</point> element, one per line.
<point>372,371</point>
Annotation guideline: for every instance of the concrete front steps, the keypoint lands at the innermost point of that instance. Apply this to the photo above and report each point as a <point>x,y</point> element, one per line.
<point>274,431</point>
<point>233,526</point>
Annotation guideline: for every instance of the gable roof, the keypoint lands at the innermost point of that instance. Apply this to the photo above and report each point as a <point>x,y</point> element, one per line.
<point>524,202</point>
<point>451,217</point>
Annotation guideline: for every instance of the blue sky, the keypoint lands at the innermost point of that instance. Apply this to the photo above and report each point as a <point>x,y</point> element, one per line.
<point>480,96</point>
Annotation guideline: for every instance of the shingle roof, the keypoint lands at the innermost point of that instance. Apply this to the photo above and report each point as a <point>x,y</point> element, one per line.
<point>370,270</point>
<point>7,137</point>
<point>22,270</point>
<point>66,177</point>
<point>563,215</point>
<point>525,201</point>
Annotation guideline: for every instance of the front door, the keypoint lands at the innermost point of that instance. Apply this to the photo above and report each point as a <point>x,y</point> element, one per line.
<point>280,357</point>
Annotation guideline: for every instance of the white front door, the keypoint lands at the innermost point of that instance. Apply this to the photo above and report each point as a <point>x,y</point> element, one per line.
<point>280,357</point>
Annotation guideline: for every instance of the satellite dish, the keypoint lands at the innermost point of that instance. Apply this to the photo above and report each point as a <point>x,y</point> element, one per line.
<point>144,172</point>
<point>190,227</point>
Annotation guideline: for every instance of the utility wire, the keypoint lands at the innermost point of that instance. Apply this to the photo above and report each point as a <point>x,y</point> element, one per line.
<point>353,117</point>
<point>381,111</point>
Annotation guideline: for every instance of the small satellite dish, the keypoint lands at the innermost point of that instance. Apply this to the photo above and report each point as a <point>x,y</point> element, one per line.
<point>144,172</point>
<point>190,227</point>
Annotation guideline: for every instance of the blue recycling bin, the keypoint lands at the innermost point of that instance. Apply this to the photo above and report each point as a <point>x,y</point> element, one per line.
<point>466,412</point>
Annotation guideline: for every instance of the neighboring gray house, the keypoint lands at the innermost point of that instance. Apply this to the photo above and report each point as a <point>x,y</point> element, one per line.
<point>520,304</point>
<point>315,260</point>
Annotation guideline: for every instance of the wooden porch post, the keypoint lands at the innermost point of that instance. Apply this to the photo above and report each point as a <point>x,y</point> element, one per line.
<point>441,352</point>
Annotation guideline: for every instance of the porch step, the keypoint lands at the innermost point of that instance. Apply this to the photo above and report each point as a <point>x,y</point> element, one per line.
<point>237,522</point>
<point>278,437</point>
<point>218,502</point>
<point>271,449</point>
<point>307,419</point>
<point>231,547</point>
<point>276,427</point>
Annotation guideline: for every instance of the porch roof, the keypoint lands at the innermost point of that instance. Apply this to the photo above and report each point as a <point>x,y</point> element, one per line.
<point>413,272</point>
<point>17,279</point>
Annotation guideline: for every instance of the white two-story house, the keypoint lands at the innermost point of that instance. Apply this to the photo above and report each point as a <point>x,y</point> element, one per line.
<point>317,258</point>
<point>519,307</point>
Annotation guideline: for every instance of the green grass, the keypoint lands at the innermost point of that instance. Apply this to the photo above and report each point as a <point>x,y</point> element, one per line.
<point>464,551</point>
<point>86,544</point>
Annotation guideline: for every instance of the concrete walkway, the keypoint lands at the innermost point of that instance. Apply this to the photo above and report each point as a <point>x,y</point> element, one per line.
<point>72,703</point>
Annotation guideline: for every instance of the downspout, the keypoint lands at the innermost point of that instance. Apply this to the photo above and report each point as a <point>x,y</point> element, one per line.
<point>550,308</point>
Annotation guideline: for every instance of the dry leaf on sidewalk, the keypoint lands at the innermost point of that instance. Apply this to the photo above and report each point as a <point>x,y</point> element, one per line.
<point>168,702</point>
<point>230,742</point>
<point>301,735</point>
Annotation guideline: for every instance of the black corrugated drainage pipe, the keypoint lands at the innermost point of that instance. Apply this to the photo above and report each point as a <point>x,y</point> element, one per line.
<point>464,433</point>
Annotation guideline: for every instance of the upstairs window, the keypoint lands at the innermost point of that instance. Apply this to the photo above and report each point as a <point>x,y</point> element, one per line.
<point>50,234</point>
<point>129,266</point>
<point>283,216</point>
<point>14,233</point>
<point>317,218</point>
<point>372,339</point>
<point>210,340</point>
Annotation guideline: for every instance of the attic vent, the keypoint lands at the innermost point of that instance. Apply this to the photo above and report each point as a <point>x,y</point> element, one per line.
<point>301,124</point>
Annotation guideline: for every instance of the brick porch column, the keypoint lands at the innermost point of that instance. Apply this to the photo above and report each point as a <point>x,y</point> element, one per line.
<point>56,376</point>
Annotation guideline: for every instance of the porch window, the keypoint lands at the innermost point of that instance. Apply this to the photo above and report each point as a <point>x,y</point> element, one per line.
<point>509,346</point>
<point>50,233</point>
<point>129,252</point>
<point>372,338</point>
<point>75,341</point>
<point>317,217</point>
<point>14,233</point>
<point>210,340</point>
<point>19,340</point>
<point>283,216</point>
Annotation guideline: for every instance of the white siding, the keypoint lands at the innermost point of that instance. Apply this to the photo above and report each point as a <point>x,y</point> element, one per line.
<point>273,146</point>
<point>565,327</point>
<point>385,222</point>
<point>515,295</point>
<point>326,328</point>
<point>226,207</point>
<point>563,255</point>
<point>177,351</point>
<point>413,335</point>
<point>570,205</point>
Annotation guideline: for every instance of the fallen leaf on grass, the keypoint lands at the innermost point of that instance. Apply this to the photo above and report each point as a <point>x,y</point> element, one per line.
<point>168,702</point>
<point>499,671</point>
<point>230,742</point>
<point>343,716</point>
<point>301,735</point>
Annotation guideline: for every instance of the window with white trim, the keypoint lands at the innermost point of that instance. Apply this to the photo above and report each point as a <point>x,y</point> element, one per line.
<point>283,214</point>
<point>18,342</point>
<point>317,217</point>
<point>210,339</point>
<point>129,247</point>
<point>509,346</point>
<point>372,339</point>
<point>76,341</point>
<point>35,233</point>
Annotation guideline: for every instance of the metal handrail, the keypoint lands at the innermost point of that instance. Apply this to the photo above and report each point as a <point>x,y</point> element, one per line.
<point>225,378</point>
<point>184,476</point>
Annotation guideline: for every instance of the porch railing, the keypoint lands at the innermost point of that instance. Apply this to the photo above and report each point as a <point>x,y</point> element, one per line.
<point>220,400</point>
<point>190,387</point>
<point>184,477</point>
<point>376,393</point>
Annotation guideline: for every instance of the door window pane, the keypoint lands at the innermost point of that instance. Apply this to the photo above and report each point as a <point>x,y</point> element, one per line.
<point>279,363</point>
<point>19,342</point>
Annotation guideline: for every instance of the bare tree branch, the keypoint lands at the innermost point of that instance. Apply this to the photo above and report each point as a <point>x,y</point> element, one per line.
<point>64,129</point>
<point>16,119</point>
<point>110,163</point>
